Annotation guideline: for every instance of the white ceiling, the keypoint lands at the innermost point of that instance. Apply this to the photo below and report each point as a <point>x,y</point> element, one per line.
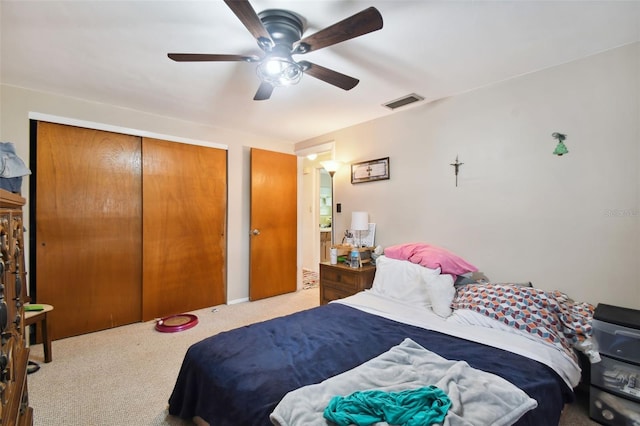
<point>114,52</point>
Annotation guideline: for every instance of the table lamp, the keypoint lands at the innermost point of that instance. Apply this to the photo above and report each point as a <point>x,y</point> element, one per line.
<point>359,223</point>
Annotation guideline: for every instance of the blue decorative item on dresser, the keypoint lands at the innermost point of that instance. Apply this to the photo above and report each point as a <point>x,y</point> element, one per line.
<point>615,380</point>
<point>12,168</point>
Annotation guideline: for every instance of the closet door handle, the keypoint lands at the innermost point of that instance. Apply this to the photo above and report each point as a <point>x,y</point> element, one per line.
<point>255,232</point>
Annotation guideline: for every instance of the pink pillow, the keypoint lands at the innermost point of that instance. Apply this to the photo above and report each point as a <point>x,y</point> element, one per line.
<point>431,257</point>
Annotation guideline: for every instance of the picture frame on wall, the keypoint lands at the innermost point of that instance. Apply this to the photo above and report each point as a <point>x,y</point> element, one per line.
<point>369,171</point>
<point>368,239</point>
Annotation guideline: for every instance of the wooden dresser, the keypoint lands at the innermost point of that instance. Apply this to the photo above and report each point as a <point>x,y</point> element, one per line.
<point>338,281</point>
<point>14,355</point>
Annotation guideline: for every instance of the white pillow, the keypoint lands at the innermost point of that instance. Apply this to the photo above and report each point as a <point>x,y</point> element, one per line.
<point>441,293</point>
<point>403,281</point>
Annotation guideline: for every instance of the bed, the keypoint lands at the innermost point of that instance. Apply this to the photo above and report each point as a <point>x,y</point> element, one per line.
<point>254,375</point>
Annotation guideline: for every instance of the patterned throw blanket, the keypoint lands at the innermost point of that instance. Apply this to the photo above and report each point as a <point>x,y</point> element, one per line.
<point>550,316</point>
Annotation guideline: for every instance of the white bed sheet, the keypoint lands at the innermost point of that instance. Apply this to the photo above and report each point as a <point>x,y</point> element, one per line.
<point>549,355</point>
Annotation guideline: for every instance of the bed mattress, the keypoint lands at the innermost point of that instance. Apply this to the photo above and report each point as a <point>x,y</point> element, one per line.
<point>238,377</point>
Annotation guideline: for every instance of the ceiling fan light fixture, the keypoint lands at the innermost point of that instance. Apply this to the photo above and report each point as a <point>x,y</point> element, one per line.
<point>279,71</point>
<point>278,33</point>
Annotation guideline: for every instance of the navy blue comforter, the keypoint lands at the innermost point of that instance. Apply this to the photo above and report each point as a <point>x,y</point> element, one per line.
<point>238,377</point>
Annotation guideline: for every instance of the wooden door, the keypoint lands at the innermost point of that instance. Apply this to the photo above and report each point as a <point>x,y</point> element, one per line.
<point>184,227</point>
<point>273,224</point>
<point>88,228</point>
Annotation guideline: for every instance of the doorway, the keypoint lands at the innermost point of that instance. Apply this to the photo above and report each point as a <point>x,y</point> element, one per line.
<point>316,207</point>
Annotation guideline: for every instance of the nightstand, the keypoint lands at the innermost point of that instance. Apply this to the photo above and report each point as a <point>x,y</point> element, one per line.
<point>338,281</point>
<point>615,380</point>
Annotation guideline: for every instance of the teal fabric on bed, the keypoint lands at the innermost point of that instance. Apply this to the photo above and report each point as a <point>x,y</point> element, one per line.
<point>413,407</point>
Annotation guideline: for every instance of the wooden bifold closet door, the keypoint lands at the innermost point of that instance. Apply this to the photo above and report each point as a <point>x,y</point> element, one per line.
<point>121,227</point>
<point>184,203</point>
<point>88,228</point>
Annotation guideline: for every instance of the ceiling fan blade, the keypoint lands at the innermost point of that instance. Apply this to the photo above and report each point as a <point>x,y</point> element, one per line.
<point>264,91</point>
<point>249,18</point>
<point>329,76</point>
<point>204,57</point>
<point>361,23</point>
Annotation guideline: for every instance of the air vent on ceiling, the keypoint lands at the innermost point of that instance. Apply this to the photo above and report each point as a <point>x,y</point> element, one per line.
<point>405,100</point>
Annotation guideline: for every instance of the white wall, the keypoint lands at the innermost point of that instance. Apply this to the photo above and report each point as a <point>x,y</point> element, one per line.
<point>519,213</point>
<point>17,103</point>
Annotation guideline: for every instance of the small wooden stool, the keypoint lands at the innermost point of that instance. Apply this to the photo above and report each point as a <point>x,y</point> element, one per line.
<point>35,317</point>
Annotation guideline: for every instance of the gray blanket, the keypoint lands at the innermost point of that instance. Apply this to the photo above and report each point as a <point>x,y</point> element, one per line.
<point>478,398</point>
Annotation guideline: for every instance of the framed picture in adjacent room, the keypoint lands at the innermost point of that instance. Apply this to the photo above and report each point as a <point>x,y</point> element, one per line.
<point>368,171</point>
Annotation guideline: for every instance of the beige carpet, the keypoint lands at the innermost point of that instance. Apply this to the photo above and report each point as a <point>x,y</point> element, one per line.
<point>124,376</point>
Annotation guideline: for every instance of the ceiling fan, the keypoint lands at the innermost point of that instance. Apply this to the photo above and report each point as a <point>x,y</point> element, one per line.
<point>279,34</point>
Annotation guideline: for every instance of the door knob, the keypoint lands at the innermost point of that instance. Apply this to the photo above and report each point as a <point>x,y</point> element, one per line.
<point>255,232</point>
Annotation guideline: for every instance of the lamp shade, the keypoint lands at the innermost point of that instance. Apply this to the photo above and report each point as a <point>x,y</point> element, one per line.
<point>359,221</point>
<point>561,149</point>
<point>331,166</point>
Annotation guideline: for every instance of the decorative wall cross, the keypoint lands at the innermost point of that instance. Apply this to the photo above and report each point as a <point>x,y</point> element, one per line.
<point>456,166</point>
